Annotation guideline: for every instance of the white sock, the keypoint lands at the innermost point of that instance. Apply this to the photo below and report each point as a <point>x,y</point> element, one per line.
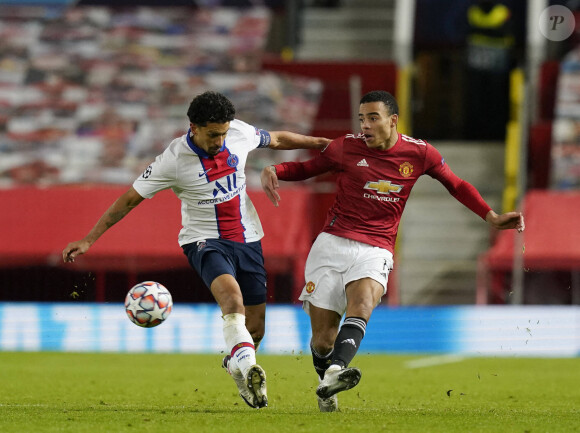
<point>239,342</point>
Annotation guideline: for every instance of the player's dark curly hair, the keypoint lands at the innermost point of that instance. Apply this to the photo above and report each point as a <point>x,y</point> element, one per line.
<point>210,107</point>
<point>384,97</point>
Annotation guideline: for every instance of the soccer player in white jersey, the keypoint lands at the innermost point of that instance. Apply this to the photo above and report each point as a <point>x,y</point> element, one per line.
<point>349,263</point>
<point>221,231</point>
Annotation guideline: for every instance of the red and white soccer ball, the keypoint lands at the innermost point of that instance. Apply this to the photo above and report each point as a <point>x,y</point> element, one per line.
<point>148,304</point>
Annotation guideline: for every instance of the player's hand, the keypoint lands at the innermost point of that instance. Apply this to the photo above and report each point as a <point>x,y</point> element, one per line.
<point>74,249</point>
<point>508,220</point>
<point>270,184</point>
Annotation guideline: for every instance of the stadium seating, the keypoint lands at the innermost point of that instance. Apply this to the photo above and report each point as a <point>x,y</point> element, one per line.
<point>550,242</point>
<point>93,94</point>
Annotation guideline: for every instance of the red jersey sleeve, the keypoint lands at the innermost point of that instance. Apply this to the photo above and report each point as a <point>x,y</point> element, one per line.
<point>322,163</point>
<point>463,191</point>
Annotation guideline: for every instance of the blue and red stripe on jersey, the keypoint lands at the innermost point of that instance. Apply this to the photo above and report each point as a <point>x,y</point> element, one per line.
<point>222,169</point>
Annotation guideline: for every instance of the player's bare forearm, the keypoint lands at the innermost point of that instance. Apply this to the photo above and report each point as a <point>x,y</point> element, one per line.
<point>270,184</point>
<point>121,207</point>
<point>285,140</point>
<point>109,219</point>
<point>506,221</point>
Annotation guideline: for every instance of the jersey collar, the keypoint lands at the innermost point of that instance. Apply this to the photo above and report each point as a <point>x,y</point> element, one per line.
<point>200,152</point>
<point>397,143</point>
<point>392,149</point>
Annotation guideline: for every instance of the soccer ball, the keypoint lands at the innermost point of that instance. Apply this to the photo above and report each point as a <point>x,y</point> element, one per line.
<point>148,304</point>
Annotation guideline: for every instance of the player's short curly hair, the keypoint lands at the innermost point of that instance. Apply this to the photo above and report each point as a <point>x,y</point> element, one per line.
<point>384,97</point>
<point>210,107</point>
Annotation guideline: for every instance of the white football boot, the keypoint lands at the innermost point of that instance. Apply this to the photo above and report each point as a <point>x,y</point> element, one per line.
<point>329,404</point>
<point>256,383</point>
<point>247,395</point>
<point>337,379</point>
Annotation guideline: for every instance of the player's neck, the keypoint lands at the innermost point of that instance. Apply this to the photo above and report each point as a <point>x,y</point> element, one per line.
<point>390,143</point>
<point>194,141</point>
<point>393,140</point>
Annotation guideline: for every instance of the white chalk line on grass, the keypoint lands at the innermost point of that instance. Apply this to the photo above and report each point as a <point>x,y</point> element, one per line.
<point>433,361</point>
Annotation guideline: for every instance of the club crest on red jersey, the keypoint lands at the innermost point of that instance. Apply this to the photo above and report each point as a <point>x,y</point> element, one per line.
<point>406,169</point>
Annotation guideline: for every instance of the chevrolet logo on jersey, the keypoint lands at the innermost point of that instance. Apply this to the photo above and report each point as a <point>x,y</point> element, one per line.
<point>383,187</point>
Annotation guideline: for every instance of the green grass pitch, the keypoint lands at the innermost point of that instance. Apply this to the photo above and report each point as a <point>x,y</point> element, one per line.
<point>69,392</point>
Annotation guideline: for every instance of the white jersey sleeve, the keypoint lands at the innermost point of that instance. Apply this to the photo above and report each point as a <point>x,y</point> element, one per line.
<point>160,175</point>
<point>258,137</point>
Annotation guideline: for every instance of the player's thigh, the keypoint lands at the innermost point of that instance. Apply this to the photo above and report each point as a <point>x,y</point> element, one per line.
<point>327,261</point>
<point>219,273</point>
<point>250,273</point>
<point>329,250</point>
<point>366,279</point>
<point>362,296</point>
<point>227,293</point>
<point>214,262</point>
<point>251,276</point>
<point>211,259</point>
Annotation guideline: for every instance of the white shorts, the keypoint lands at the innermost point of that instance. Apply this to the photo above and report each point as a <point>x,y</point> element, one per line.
<point>333,262</point>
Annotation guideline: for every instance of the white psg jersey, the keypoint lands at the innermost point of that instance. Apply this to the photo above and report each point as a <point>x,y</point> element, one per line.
<point>212,190</point>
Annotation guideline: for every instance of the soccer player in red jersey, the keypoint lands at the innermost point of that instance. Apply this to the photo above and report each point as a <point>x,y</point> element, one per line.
<point>349,263</point>
<point>221,231</point>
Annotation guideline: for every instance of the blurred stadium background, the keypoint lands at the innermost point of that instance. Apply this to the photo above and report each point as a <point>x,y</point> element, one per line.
<point>91,91</point>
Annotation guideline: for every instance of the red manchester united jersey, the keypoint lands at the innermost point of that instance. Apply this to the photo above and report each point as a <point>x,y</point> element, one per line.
<point>373,185</point>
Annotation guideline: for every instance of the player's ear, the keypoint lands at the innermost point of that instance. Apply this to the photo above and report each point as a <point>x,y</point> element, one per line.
<point>394,120</point>
<point>193,128</point>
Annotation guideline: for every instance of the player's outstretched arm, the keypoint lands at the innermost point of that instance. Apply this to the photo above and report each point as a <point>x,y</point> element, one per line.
<point>285,140</point>
<point>508,220</point>
<point>270,184</point>
<point>122,206</point>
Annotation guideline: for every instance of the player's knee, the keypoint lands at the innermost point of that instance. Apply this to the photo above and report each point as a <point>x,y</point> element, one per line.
<point>362,298</point>
<point>233,303</point>
<point>362,307</point>
<point>227,294</point>
<point>322,344</point>
<point>230,306</point>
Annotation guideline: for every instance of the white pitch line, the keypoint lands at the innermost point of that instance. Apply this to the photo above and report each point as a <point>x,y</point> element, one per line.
<point>433,361</point>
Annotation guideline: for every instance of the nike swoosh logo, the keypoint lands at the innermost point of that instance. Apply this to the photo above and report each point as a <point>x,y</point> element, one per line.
<point>203,173</point>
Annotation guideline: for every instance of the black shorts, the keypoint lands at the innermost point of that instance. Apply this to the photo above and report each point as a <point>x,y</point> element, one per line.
<point>245,262</point>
